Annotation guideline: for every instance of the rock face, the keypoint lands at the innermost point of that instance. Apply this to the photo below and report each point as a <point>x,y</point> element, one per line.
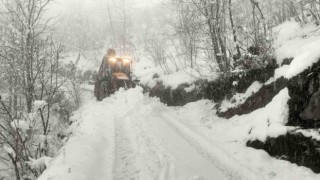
<point>304,104</point>
<point>224,87</point>
<point>257,100</point>
<point>304,113</point>
<point>293,147</point>
<point>215,90</point>
<point>312,111</point>
<point>178,96</point>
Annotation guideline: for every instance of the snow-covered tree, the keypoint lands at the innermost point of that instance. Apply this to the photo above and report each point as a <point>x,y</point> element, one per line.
<point>37,87</point>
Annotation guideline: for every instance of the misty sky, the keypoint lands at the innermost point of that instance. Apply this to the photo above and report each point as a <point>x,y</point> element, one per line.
<point>69,5</point>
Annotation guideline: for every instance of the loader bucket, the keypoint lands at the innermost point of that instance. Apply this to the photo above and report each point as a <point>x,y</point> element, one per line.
<point>121,76</point>
<point>121,80</point>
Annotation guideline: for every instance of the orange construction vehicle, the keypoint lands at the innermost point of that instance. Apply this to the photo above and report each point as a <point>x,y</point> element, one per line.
<point>114,73</point>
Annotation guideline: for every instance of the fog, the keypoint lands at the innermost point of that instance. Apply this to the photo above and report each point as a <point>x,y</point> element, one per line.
<point>87,24</point>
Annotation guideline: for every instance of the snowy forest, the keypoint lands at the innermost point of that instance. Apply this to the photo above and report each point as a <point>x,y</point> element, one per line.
<point>159,89</point>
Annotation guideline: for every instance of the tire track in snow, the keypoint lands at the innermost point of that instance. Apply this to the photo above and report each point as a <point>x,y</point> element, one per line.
<point>137,154</point>
<point>157,163</point>
<point>124,163</point>
<point>196,143</point>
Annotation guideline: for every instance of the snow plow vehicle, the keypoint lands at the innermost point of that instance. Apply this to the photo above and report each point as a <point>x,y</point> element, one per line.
<point>114,73</point>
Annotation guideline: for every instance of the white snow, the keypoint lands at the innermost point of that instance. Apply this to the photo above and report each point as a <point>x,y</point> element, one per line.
<point>88,153</point>
<point>177,78</point>
<point>271,120</point>
<point>300,43</point>
<point>88,60</point>
<point>281,72</point>
<point>145,71</point>
<point>271,80</point>
<point>313,133</point>
<point>190,89</point>
<point>234,83</point>
<point>39,163</point>
<point>149,74</point>
<point>172,80</point>
<point>305,57</point>
<point>286,31</point>
<point>39,104</point>
<point>278,73</point>
<point>240,98</point>
<point>20,124</point>
<point>9,150</point>
<point>132,136</point>
<point>226,139</point>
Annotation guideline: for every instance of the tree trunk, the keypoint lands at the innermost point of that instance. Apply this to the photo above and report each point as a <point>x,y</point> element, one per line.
<point>234,30</point>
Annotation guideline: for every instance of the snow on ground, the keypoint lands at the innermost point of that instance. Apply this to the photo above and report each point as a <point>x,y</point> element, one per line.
<point>114,140</point>
<point>149,74</point>
<point>132,136</point>
<point>300,43</point>
<point>88,152</point>
<point>179,77</point>
<point>173,80</point>
<point>240,98</point>
<point>145,70</point>
<point>228,137</point>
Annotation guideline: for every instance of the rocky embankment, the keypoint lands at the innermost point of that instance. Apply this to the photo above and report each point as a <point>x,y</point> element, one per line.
<point>301,145</point>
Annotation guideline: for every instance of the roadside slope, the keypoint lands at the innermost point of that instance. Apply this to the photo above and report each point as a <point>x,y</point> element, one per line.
<point>88,152</point>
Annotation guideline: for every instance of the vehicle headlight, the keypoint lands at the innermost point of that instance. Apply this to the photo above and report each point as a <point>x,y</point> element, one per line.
<point>126,61</point>
<point>112,59</point>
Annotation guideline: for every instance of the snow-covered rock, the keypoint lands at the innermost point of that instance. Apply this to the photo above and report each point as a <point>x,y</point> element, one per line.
<point>240,98</point>
<point>271,120</point>
<point>299,43</point>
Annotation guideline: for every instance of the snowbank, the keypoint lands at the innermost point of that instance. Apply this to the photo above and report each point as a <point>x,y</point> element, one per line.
<point>300,43</point>
<point>227,138</point>
<point>149,75</point>
<point>305,57</point>
<point>88,149</point>
<point>177,78</point>
<point>146,71</point>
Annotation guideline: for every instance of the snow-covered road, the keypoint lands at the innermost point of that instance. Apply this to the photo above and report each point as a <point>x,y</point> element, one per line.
<point>131,136</point>
<point>128,136</point>
<point>148,147</point>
